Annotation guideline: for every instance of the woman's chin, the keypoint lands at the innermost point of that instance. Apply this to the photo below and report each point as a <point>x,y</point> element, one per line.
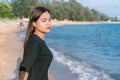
<point>47,31</point>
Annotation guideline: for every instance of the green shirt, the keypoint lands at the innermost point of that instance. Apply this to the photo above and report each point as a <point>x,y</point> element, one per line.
<point>36,59</point>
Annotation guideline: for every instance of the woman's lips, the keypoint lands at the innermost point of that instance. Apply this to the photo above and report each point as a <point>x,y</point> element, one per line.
<point>48,27</point>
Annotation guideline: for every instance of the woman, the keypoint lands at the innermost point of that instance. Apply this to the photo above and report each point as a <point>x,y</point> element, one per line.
<point>37,56</point>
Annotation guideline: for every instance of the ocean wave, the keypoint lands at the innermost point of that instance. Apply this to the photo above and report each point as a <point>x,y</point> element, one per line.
<point>83,70</point>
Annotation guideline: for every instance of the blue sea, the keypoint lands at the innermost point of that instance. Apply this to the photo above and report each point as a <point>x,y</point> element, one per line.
<point>90,51</point>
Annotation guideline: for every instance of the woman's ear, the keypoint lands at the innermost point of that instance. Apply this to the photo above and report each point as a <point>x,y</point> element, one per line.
<point>34,24</point>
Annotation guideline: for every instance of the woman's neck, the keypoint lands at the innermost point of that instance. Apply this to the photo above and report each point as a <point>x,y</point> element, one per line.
<point>40,34</point>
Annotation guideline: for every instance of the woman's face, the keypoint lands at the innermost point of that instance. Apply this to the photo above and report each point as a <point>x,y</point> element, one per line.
<point>43,24</point>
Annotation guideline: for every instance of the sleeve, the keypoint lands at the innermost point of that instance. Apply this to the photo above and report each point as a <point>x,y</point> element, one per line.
<point>31,52</point>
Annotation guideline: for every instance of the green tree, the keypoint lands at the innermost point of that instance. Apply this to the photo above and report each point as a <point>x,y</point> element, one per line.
<point>60,9</point>
<point>23,7</point>
<point>5,10</point>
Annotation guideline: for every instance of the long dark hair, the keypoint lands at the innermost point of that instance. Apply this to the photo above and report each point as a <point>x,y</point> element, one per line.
<point>35,14</point>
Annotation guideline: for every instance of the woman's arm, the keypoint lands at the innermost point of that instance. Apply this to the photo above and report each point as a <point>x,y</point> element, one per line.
<point>23,75</point>
<point>31,52</point>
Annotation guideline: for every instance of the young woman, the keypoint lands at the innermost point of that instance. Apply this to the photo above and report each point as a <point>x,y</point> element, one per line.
<point>37,56</point>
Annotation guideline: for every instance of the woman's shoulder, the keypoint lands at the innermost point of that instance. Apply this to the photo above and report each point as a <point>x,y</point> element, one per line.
<point>34,39</point>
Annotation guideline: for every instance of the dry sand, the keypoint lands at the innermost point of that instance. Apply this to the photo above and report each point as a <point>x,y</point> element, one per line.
<point>11,50</point>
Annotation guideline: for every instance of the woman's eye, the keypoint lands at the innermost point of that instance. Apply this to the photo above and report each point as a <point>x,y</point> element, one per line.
<point>43,21</point>
<point>49,20</point>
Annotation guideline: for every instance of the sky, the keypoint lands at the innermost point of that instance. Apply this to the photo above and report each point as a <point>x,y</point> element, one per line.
<point>108,7</point>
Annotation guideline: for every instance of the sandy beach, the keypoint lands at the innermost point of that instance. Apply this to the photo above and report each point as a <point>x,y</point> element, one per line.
<point>11,50</point>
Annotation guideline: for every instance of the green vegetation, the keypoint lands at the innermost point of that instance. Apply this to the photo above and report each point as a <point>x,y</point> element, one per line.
<point>5,10</point>
<point>60,10</point>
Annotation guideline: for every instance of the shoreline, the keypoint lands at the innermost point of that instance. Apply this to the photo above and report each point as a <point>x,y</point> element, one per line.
<point>61,71</point>
<point>66,22</point>
<point>11,52</point>
<point>63,22</point>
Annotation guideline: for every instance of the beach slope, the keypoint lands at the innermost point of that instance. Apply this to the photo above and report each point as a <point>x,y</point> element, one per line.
<point>11,50</point>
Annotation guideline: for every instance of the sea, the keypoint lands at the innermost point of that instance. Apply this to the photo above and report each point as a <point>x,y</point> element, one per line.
<point>90,51</point>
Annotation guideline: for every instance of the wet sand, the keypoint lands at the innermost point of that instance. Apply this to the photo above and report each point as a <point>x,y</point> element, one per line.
<point>11,50</point>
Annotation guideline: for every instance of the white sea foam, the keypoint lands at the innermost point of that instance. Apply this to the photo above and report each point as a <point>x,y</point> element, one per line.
<point>83,70</point>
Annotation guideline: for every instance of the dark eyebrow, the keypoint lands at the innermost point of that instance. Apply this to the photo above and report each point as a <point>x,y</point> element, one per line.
<point>46,18</point>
